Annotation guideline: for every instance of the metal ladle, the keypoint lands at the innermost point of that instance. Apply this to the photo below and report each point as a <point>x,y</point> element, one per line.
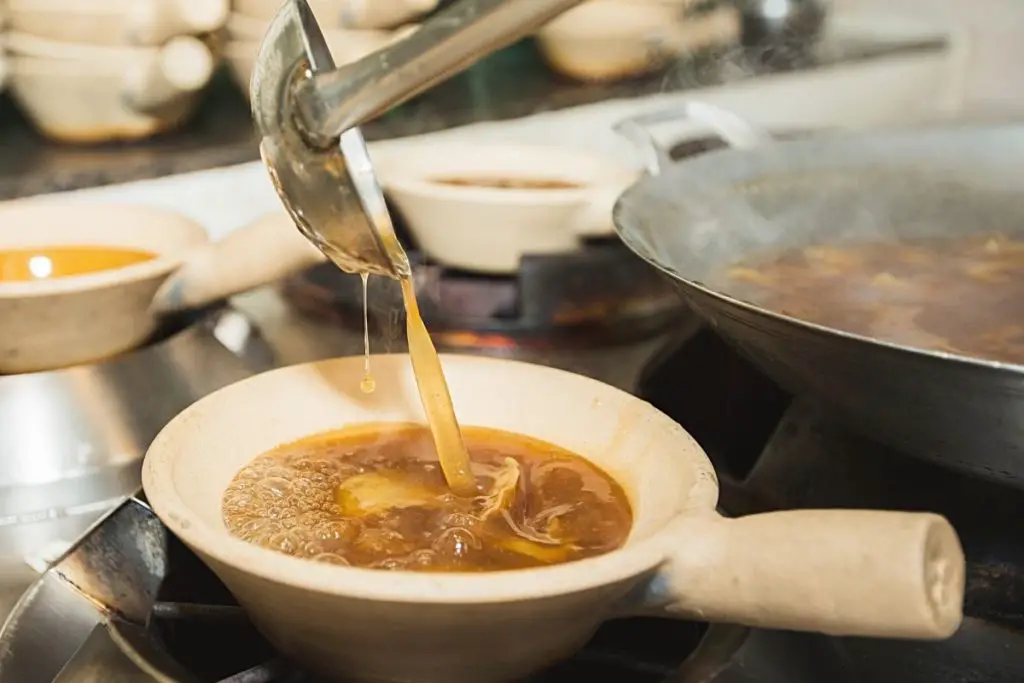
<point>307,112</point>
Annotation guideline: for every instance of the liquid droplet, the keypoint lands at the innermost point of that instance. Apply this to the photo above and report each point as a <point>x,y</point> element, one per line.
<point>368,384</point>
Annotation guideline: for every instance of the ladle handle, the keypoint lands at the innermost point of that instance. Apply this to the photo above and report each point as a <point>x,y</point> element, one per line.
<point>450,41</point>
<point>839,572</point>
<point>731,128</point>
<point>262,252</point>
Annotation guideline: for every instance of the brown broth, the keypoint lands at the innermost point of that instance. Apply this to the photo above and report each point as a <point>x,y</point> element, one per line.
<point>509,183</point>
<point>964,296</point>
<point>435,397</point>
<point>294,500</point>
<point>47,263</point>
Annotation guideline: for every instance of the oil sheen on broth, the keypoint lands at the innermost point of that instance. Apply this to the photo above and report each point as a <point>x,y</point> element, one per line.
<point>510,183</point>
<point>373,496</point>
<point>28,264</point>
<point>964,296</point>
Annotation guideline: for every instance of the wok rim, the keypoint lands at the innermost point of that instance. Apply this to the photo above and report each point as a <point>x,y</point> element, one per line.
<point>722,298</point>
<point>780,146</point>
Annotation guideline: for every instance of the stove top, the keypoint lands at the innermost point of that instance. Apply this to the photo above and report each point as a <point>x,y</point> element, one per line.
<point>130,599</point>
<point>597,294</point>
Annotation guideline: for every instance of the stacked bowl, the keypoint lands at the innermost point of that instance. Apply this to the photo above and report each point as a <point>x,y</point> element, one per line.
<point>609,40</point>
<point>110,69</point>
<point>353,28</point>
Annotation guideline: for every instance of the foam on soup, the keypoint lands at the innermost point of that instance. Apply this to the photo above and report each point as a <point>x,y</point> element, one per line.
<point>375,496</point>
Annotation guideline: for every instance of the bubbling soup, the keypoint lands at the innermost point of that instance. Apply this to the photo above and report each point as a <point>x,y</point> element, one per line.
<point>374,496</point>
<point>47,263</point>
<point>964,296</point>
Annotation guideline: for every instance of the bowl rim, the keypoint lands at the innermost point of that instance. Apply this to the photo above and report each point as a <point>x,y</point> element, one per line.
<point>623,564</point>
<point>91,214</point>
<point>400,172</point>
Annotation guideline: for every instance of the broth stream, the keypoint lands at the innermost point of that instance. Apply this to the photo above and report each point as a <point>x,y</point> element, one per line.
<point>437,401</point>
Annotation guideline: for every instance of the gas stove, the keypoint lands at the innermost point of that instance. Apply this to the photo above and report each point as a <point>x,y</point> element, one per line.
<point>597,295</point>
<point>129,598</point>
<point>128,603</point>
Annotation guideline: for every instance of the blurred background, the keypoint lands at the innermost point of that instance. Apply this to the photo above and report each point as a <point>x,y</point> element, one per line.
<point>113,90</point>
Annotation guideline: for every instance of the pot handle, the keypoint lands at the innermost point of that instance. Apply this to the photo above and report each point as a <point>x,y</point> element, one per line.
<point>840,572</point>
<point>733,130</point>
<point>594,216</point>
<point>263,251</point>
<point>182,66</point>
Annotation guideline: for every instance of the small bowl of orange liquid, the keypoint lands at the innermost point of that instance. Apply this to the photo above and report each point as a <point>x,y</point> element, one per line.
<point>80,283</point>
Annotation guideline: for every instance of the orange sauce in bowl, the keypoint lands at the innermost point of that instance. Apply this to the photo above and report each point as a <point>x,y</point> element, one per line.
<point>47,263</point>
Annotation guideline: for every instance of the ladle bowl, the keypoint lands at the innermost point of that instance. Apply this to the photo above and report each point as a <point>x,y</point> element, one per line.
<point>841,572</point>
<point>58,322</point>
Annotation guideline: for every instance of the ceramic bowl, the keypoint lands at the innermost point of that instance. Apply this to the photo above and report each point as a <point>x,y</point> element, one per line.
<point>605,40</point>
<point>334,14</point>
<point>346,45</point>
<point>116,22</point>
<point>47,324</point>
<point>489,230</point>
<point>88,93</point>
<point>873,573</point>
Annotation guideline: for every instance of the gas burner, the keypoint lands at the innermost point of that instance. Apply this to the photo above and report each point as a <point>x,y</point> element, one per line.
<point>131,602</point>
<point>790,456</point>
<point>598,294</point>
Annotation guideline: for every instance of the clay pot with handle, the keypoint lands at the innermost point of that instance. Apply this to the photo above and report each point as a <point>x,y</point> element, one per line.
<point>58,322</point>
<point>840,572</point>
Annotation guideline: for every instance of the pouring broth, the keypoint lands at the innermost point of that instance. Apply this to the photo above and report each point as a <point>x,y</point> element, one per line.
<point>374,496</point>
<point>48,263</point>
<point>962,296</point>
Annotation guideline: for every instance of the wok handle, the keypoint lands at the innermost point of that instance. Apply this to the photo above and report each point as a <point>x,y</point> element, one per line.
<point>839,572</point>
<point>733,130</point>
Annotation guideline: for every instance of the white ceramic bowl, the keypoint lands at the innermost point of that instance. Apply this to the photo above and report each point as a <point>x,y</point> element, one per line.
<point>116,22</point>
<point>55,323</point>
<point>334,14</point>
<point>876,573</point>
<point>89,93</point>
<point>605,40</point>
<point>487,229</point>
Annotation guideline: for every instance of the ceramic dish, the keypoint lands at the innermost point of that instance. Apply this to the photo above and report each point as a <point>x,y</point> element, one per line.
<point>58,322</point>
<point>334,14</point>
<point>487,229</point>
<point>605,40</point>
<point>89,93</point>
<point>116,22</point>
<point>866,573</point>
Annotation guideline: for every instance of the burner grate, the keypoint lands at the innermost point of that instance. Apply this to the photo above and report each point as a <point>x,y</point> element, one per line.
<point>216,643</point>
<point>197,623</point>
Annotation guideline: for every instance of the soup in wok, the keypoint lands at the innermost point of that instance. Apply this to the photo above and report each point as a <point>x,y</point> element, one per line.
<point>375,496</point>
<point>964,296</point>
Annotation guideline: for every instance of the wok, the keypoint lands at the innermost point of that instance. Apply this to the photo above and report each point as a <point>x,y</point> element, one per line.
<point>694,218</point>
